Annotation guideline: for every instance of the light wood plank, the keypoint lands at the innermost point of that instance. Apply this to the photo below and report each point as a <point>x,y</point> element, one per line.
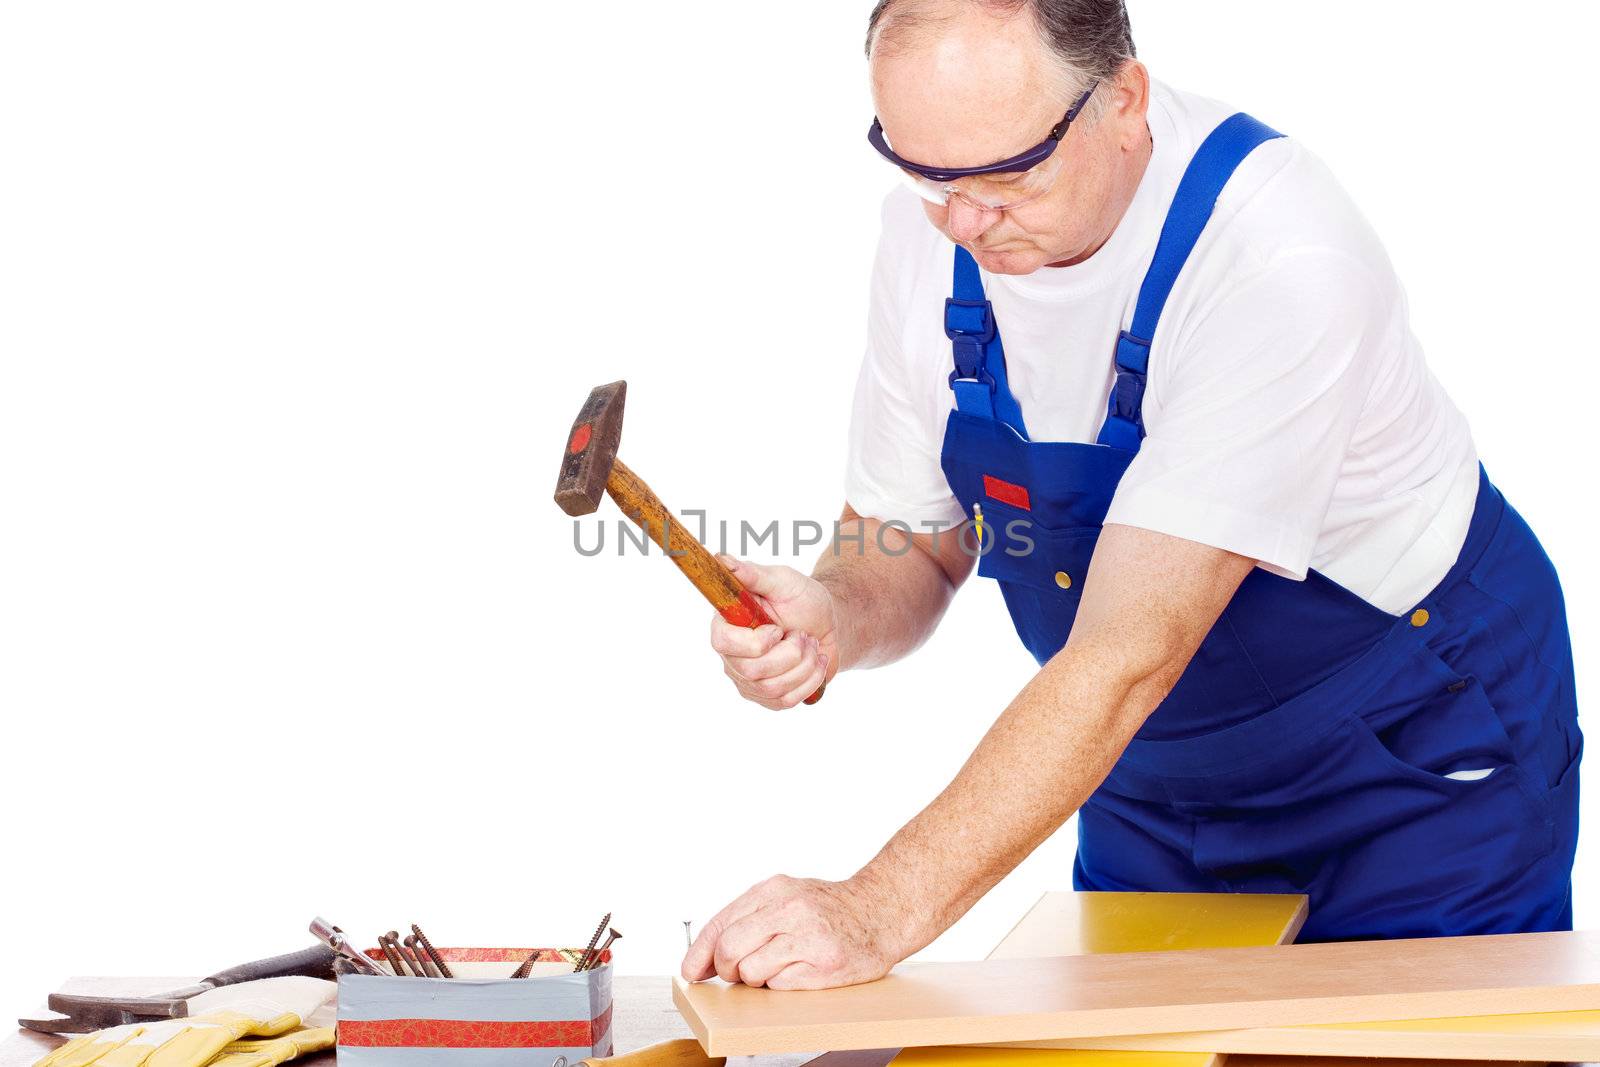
<point>1156,992</point>
<point>1076,924</point>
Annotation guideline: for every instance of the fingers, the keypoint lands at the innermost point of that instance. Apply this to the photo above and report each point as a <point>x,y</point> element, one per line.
<point>740,939</point>
<point>810,683</point>
<point>699,963</point>
<point>774,669</point>
<point>782,660</point>
<point>773,583</point>
<point>778,954</point>
<point>789,933</point>
<point>777,665</point>
<point>797,975</point>
<point>782,678</point>
<point>742,642</point>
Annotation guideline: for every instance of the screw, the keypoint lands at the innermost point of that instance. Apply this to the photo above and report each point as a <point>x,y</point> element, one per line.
<point>688,939</point>
<point>411,966</point>
<point>583,960</point>
<point>390,953</point>
<point>427,946</point>
<point>594,961</point>
<point>412,961</point>
<point>423,962</point>
<point>527,966</point>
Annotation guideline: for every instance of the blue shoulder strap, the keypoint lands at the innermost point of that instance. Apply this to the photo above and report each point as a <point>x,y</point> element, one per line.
<point>979,379</point>
<point>1192,205</point>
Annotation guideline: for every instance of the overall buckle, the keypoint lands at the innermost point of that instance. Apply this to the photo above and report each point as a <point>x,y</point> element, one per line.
<point>1132,364</point>
<point>970,326</point>
<point>979,374</point>
<point>966,320</point>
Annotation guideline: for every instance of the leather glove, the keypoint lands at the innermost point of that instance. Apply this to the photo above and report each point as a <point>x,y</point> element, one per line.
<point>218,1017</point>
<point>270,1051</point>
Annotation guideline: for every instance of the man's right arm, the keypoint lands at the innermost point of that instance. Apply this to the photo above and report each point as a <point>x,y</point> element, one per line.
<point>890,587</point>
<point>875,595</point>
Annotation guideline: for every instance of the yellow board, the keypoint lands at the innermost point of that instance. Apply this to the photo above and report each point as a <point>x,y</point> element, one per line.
<point>1544,1037</point>
<point>1080,924</point>
<point>969,1056</point>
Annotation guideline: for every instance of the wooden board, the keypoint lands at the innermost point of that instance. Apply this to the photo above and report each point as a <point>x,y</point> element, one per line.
<point>969,1056</point>
<point>1155,993</point>
<point>1077,924</point>
<point>642,1017</point>
<point>956,1056</point>
<point>1557,1037</point>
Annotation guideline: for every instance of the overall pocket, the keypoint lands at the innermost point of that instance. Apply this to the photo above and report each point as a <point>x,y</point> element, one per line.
<point>1025,551</point>
<point>1452,739</point>
<point>1040,570</point>
<point>1405,781</point>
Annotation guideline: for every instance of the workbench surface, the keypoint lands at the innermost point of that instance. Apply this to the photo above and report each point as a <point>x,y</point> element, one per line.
<point>643,1015</point>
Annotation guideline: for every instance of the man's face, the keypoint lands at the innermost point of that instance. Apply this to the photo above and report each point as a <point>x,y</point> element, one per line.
<point>972,88</point>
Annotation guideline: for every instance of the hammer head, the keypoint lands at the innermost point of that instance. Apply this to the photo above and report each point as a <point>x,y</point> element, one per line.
<point>591,450</point>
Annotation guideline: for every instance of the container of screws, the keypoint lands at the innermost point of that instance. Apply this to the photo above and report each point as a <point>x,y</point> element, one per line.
<point>411,1001</point>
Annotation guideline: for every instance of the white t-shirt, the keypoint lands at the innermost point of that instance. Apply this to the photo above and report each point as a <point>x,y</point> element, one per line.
<point>1289,414</point>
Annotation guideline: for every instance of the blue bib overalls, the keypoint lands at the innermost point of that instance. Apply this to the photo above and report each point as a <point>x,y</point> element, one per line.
<point>1310,743</point>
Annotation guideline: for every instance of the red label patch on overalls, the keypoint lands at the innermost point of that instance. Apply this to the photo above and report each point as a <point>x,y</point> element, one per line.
<point>1006,492</point>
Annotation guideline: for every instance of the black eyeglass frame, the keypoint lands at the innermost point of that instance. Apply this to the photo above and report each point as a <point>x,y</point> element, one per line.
<point>1016,164</point>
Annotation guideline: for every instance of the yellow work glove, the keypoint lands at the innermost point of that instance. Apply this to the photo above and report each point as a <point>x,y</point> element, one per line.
<point>270,1051</point>
<point>217,1018</point>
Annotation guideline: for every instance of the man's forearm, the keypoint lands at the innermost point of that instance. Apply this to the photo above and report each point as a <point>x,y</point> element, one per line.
<point>1040,761</point>
<point>889,591</point>
<point>1148,601</point>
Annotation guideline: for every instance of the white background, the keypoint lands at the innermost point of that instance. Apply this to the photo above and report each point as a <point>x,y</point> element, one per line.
<point>297,302</point>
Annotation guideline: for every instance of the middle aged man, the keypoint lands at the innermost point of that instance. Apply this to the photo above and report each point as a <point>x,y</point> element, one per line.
<point>1291,638</point>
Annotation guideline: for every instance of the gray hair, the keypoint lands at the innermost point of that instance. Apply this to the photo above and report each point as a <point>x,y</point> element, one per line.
<point>1089,40</point>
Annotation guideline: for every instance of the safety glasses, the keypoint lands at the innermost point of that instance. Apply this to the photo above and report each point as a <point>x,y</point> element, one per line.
<point>1000,186</point>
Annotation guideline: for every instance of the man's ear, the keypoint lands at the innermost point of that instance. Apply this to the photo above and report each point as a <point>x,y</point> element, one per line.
<point>1129,102</point>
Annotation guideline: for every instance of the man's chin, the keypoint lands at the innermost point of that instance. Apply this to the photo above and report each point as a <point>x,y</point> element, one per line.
<point>1025,261</point>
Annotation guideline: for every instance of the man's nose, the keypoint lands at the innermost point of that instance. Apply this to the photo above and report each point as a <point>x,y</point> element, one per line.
<point>967,220</point>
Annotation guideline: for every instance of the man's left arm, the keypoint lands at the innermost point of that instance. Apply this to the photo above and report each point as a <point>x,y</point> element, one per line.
<point>1149,600</point>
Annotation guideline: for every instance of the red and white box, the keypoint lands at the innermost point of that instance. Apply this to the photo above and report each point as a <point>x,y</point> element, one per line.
<point>480,1018</point>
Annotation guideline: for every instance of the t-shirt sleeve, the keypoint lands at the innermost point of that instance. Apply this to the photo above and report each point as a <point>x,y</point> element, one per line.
<point>1267,382</point>
<point>898,416</point>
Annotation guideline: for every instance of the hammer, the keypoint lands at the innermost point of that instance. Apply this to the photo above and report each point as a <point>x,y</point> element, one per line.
<point>590,466</point>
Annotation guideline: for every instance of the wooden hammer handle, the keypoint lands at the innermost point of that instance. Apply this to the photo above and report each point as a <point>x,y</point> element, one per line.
<point>716,582</point>
<point>682,1053</point>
